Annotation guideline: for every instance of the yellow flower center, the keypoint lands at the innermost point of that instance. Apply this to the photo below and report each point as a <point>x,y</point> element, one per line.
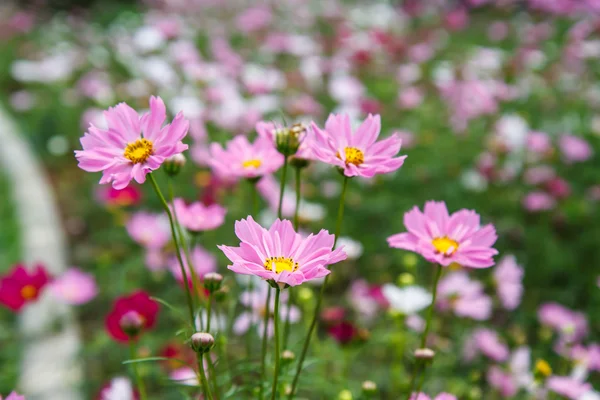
<point>28,292</point>
<point>543,368</point>
<point>254,163</point>
<point>280,264</point>
<point>445,244</point>
<point>139,151</point>
<point>354,156</point>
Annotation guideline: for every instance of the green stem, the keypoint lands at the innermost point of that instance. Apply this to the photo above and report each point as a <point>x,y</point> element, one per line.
<point>286,326</point>
<point>264,343</point>
<point>138,379</point>
<point>205,387</point>
<point>436,279</point>
<point>282,189</point>
<point>177,249</point>
<point>213,377</point>
<point>277,349</point>
<point>317,311</point>
<point>184,245</point>
<point>208,311</point>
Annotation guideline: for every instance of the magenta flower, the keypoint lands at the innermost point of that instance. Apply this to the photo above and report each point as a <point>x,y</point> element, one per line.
<point>14,396</point>
<point>508,276</point>
<point>74,287</point>
<point>242,159</point>
<point>446,239</point>
<point>197,217</point>
<point>358,153</point>
<point>464,296</point>
<point>132,146</point>
<point>574,149</point>
<point>149,230</point>
<point>281,255</point>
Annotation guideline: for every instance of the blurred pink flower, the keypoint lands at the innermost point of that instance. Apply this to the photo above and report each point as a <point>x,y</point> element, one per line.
<point>280,254</point>
<point>358,153</point>
<point>119,388</point>
<point>360,296</point>
<point>74,287</point>
<point>538,201</point>
<point>186,376</point>
<point>242,159</point>
<point>489,344</point>
<point>457,292</point>
<point>155,259</point>
<point>539,142</point>
<point>559,188</point>
<point>133,146</point>
<point>254,18</point>
<point>197,217</point>
<point>587,356</point>
<point>574,149</point>
<point>567,386</point>
<point>203,262</point>
<point>410,98</point>
<point>149,230</point>
<point>445,239</point>
<point>441,396</point>
<point>14,396</point>
<point>538,174</point>
<point>508,276</point>
<point>498,31</point>
<point>502,381</point>
<point>254,302</point>
<point>571,325</point>
<point>469,99</point>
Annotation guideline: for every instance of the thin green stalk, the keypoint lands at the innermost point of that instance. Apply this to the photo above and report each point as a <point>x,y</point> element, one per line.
<point>177,249</point>
<point>436,279</point>
<point>186,251</point>
<point>138,379</point>
<point>203,379</point>
<point>282,189</point>
<point>213,377</point>
<point>315,318</point>
<point>264,343</point>
<point>286,326</point>
<point>208,311</point>
<point>277,349</point>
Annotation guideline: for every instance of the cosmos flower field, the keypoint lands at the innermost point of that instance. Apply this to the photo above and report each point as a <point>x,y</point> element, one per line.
<point>311,199</point>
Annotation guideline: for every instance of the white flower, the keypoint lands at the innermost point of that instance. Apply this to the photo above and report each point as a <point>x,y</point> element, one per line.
<point>353,248</point>
<point>407,300</point>
<point>120,389</point>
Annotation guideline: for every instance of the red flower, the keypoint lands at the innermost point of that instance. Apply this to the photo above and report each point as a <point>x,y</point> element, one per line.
<point>138,305</point>
<point>343,332</point>
<point>20,286</point>
<point>128,196</point>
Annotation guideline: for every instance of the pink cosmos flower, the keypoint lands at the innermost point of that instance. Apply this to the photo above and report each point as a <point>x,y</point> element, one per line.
<point>254,301</point>
<point>567,386</point>
<point>489,344</point>
<point>14,396</point>
<point>74,287</point>
<point>589,356</point>
<point>203,262</point>
<point>571,325</point>
<point>280,254</point>
<point>469,99</point>
<point>185,376</point>
<point>149,230</point>
<point>508,276</point>
<point>242,159</point>
<point>197,217</point>
<point>539,142</point>
<point>539,174</point>
<point>574,149</point>
<point>441,396</point>
<point>445,239</point>
<point>358,153</point>
<point>538,201</point>
<point>132,146</point>
<point>465,297</point>
<point>502,381</point>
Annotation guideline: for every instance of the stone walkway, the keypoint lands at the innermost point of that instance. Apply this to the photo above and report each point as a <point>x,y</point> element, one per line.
<point>51,344</point>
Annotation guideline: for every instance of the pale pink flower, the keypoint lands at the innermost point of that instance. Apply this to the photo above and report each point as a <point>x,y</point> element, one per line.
<point>487,342</point>
<point>133,145</point>
<point>242,159</point>
<point>502,381</point>
<point>588,356</point>
<point>538,174</point>
<point>185,376</point>
<point>14,396</point>
<point>465,297</point>
<point>469,99</point>
<point>149,230</point>
<point>539,142</point>
<point>445,239</point>
<point>538,201</point>
<point>254,301</point>
<point>119,388</point>
<point>574,149</point>
<point>203,262</point>
<point>567,386</point>
<point>197,217</point>
<point>571,325</point>
<point>74,287</point>
<point>441,396</point>
<point>280,254</point>
<point>358,153</point>
<point>253,19</point>
<point>508,276</point>
<point>410,98</point>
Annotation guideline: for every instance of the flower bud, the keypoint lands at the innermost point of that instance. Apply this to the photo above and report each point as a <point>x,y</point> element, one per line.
<point>369,388</point>
<point>221,294</point>
<point>174,164</point>
<point>202,342</point>
<point>287,357</point>
<point>424,354</point>
<point>212,281</point>
<point>287,140</point>
<point>131,323</point>
<point>345,395</point>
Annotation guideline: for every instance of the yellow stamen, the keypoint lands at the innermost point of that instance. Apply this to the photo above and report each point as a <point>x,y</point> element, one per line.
<point>354,156</point>
<point>445,244</point>
<point>139,151</point>
<point>252,163</point>
<point>280,264</point>
<point>28,292</point>
<point>543,368</point>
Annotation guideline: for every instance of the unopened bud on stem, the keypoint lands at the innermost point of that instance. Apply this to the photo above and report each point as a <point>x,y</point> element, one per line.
<point>202,342</point>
